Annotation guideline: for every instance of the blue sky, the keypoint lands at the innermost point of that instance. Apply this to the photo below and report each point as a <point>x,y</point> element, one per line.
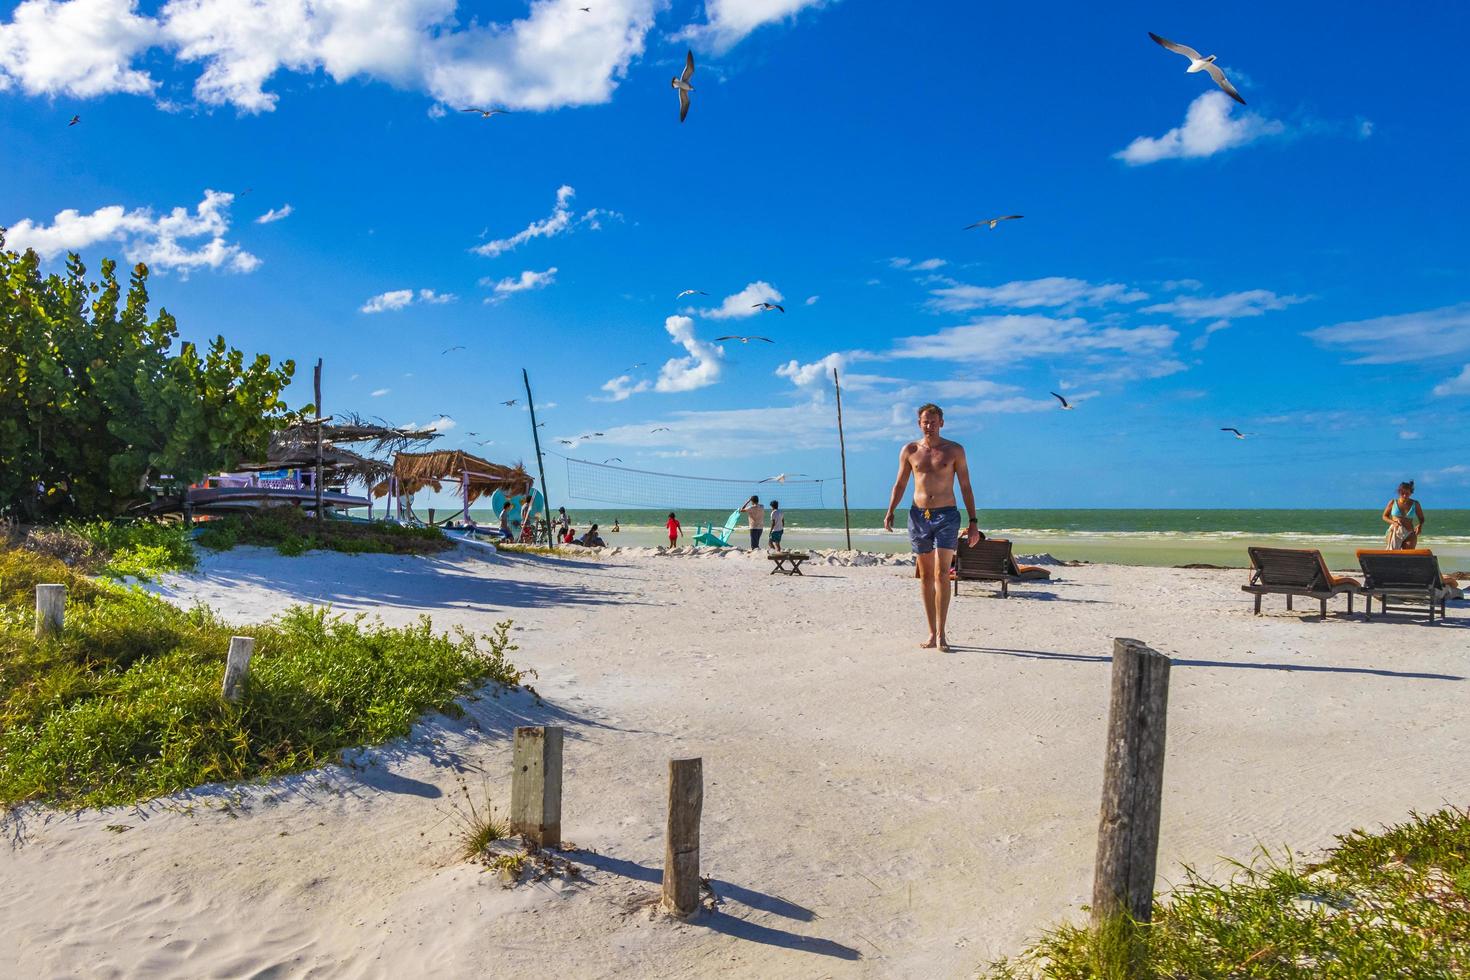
<point>1296,267</point>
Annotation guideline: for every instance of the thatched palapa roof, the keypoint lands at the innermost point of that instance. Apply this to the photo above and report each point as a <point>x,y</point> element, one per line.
<point>414,471</point>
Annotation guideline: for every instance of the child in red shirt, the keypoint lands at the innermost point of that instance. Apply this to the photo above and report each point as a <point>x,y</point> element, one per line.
<point>674,528</point>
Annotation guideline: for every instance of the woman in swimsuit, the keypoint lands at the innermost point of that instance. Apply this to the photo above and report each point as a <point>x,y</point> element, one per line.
<point>1405,519</point>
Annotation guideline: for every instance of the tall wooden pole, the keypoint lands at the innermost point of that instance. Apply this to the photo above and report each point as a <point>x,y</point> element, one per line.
<point>317,483</point>
<point>540,463</point>
<point>842,444</point>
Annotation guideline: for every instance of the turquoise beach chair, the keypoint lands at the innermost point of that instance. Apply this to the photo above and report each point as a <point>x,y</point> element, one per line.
<point>718,537</point>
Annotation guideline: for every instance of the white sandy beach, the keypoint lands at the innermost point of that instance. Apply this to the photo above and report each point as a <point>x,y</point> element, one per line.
<point>871,809</point>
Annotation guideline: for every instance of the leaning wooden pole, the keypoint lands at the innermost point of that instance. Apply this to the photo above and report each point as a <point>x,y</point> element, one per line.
<point>540,463</point>
<point>317,483</point>
<point>1133,784</point>
<point>842,446</point>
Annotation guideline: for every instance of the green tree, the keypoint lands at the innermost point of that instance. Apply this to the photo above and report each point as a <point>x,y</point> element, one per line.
<point>95,403</point>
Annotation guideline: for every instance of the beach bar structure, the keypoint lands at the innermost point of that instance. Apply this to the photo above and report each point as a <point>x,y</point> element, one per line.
<point>476,477</point>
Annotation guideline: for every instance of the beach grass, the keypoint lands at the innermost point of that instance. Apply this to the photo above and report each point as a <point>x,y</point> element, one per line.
<point>141,549</point>
<point>293,532</point>
<point>1395,903</point>
<point>126,704</point>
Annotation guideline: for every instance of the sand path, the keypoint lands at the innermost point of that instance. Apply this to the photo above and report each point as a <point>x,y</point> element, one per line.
<point>870,809</point>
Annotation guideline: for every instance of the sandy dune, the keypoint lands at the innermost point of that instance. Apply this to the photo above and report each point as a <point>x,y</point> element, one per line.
<point>870,809</point>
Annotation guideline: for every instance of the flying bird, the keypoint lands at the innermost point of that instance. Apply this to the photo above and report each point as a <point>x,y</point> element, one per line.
<point>567,442</point>
<point>691,292</point>
<point>1196,63</point>
<point>592,436</point>
<point>615,459</point>
<point>509,403</point>
<point>486,442</point>
<point>487,113</point>
<point>450,350</point>
<point>744,340</point>
<point>1238,433</point>
<point>992,222</point>
<point>1067,406</point>
<point>765,307</point>
<point>585,10</point>
<point>783,477</point>
<point>682,86</point>
<point>74,120</point>
<point>635,366</point>
<point>662,428</point>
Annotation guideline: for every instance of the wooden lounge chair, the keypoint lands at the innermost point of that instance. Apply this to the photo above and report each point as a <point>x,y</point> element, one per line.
<point>1404,575</point>
<point>1293,572</point>
<point>991,561</point>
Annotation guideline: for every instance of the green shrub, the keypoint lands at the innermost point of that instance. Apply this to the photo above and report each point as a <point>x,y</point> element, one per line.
<point>141,548</point>
<point>292,532</point>
<point>1390,904</point>
<point>126,705</point>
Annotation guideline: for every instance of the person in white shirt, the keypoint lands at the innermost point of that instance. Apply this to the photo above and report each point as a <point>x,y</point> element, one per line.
<point>756,514</point>
<point>778,524</point>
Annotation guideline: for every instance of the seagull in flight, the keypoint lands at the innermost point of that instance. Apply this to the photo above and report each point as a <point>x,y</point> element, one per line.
<point>567,442</point>
<point>509,403</point>
<point>783,477</point>
<point>691,292</point>
<point>1196,63</point>
<point>765,307</point>
<point>615,459</point>
<point>1066,405</point>
<point>992,222</point>
<point>74,120</point>
<point>744,340</point>
<point>662,428</point>
<point>682,86</point>
<point>592,436</point>
<point>487,113</point>
<point>450,350</point>
<point>1238,433</point>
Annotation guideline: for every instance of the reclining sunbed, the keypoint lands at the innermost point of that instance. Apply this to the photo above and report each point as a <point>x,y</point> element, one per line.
<point>1293,572</point>
<point>991,561</point>
<point>1404,575</point>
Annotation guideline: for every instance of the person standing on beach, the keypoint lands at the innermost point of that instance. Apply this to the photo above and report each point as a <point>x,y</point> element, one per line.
<point>756,514</point>
<point>778,524</point>
<point>1405,519</point>
<point>674,528</point>
<point>934,520</point>
<point>563,522</point>
<point>505,522</point>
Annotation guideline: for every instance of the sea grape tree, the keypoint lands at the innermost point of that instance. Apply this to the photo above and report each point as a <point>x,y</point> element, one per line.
<point>97,398</point>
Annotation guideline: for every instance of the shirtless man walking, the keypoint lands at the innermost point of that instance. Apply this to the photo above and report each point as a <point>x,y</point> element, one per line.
<point>934,520</point>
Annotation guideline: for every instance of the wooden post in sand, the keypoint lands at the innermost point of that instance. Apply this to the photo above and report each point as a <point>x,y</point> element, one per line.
<point>237,666</point>
<point>681,848</point>
<point>535,785</point>
<point>1133,784</point>
<point>50,610</point>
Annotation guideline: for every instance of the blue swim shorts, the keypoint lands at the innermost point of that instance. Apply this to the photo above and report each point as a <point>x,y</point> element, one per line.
<point>934,527</point>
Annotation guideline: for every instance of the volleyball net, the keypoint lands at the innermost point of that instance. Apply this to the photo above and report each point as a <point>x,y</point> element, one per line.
<point>605,483</point>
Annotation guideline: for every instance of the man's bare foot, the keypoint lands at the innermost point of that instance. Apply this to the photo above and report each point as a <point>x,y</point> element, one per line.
<point>944,643</point>
<point>929,643</point>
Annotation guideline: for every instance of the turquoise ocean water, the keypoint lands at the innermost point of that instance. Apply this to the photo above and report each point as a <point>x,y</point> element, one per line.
<point>1140,537</point>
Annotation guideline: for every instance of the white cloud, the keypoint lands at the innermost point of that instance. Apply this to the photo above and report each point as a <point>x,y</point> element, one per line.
<point>1231,306</point>
<point>1407,435</point>
<point>1459,385</point>
<point>554,56</point>
<point>380,392</point>
<point>1208,129</point>
<point>727,22</point>
<point>815,373</point>
<point>143,236</point>
<point>441,424</point>
<point>812,300</point>
<point>1365,128</point>
<point>1016,337</point>
<point>1174,285</point>
<point>622,388</point>
<point>81,48</point>
<point>397,299</point>
<point>743,303</point>
<point>898,262</point>
<point>928,265</point>
<point>1401,338</point>
<point>959,388</point>
<point>559,221</point>
<point>1055,291</point>
<point>527,280</point>
<point>274,215</point>
<point>700,369</point>
<point>1203,339</point>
